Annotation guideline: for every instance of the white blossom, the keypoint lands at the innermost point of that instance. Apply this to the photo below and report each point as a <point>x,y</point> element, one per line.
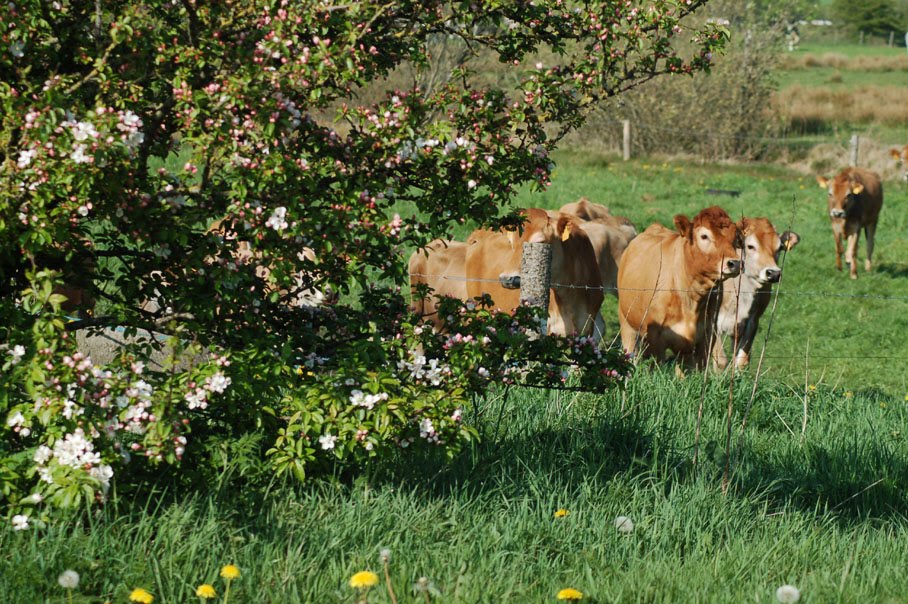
<point>278,221</point>
<point>327,441</point>
<point>25,157</point>
<point>16,352</point>
<point>43,455</point>
<point>16,419</point>
<point>84,130</point>
<point>20,522</point>
<point>17,48</point>
<point>79,156</point>
<point>217,383</point>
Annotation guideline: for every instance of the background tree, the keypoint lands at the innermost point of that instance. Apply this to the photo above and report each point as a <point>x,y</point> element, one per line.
<point>172,160</point>
<point>873,17</point>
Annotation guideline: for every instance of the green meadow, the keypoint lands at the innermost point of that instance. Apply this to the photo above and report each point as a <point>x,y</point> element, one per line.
<point>806,488</point>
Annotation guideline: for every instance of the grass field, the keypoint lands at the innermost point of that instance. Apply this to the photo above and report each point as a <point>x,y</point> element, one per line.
<point>816,497</point>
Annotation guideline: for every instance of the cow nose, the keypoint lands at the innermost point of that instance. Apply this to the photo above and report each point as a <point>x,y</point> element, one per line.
<point>837,213</point>
<point>732,267</point>
<point>773,275</point>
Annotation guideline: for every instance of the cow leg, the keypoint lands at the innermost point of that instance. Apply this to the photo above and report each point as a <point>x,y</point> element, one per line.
<point>599,328</point>
<point>628,335</point>
<point>837,236</point>
<point>746,336</point>
<point>720,361</point>
<point>851,253</point>
<point>870,232</point>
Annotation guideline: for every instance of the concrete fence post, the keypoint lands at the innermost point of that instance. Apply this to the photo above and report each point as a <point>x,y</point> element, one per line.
<point>855,145</point>
<point>627,139</point>
<point>536,278</point>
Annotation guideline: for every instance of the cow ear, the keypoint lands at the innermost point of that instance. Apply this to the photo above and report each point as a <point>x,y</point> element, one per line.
<point>822,181</point>
<point>857,188</point>
<point>789,240</point>
<point>895,154</point>
<point>682,223</point>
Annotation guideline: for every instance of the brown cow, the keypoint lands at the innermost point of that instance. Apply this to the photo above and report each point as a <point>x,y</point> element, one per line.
<point>573,308</point>
<point>746,297</point>
<point>442,267</point>
<point>855,200</point>
<point>610,236</point>
<point>664,279</point>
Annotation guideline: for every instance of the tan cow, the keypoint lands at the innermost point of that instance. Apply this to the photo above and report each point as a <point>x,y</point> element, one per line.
<point>664,279</point>
<point>746,297</point>
<point>442,267</point>
<point>609,235</point>
<point>901,156</point>
<point>855,200</point>
<point>584,209</point>
<point>573,307</point>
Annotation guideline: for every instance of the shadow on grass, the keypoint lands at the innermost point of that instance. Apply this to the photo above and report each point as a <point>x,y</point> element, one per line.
<point>850,477</point>
<point>898,271</point>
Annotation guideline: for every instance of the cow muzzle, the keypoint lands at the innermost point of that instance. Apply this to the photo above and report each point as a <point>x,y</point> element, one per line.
<point>837,213</point>
<point>732,268</point>
<point>772,275</point>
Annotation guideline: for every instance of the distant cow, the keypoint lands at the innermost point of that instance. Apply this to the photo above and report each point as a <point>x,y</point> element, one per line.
<point>573,308</point>
<point>745,298</point>
<point>901,156</point>
<point>855,200</point>
<point>584,209</point>
<point>442,267</point>
<point>664,279</point>
<point>609,235</point>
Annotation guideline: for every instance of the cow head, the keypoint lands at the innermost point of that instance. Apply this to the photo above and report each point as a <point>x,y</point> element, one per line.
<point>713,241</point>
<point>843,192</point>
<point>901,158</point>
<point>762,248</point>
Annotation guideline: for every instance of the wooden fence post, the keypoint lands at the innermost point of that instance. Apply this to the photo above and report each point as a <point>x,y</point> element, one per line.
<point>862,38</point>
<point>891,38</point>
<point>855,144</point>
<point>627,139</point>
<point>536,278</point>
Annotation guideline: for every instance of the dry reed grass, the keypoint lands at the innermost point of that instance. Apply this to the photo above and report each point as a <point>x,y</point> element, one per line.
<point>812,109</point>
<point>840,61</point>
<point>829,158</point>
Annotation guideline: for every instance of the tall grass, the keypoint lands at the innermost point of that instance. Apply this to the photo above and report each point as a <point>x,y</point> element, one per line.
<point>822,509</point>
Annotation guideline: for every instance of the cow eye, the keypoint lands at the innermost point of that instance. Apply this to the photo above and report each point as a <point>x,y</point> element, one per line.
<point>704,236</point>
<point>751,247</point>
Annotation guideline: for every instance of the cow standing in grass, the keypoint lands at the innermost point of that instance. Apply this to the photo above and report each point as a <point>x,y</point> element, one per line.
<point>855,200</point>
<point>664,280</point>
<point>745,298</point>
<point>575,296</point>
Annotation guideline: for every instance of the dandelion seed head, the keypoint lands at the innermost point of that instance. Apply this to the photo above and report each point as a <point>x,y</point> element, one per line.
<point>788,593</point>
<point>68,579</point>
<point>624,525</point>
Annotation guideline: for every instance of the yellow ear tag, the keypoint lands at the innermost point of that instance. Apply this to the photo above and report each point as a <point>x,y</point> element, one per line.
<point>788,243</point>
<point>856,189</point>
<point>567,232</point>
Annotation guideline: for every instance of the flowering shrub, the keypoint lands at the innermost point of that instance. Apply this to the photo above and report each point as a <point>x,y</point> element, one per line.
<point>128,129</point>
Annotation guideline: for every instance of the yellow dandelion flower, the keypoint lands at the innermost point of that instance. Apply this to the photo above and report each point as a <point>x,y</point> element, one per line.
<point>561,513</point>
<point>363,579</point>
<point>141,596</point>
<point>812,387</point>
<point>849,394</point>
<point>883,405</point>
<point>230,572</point>
<point>570,594</point>
<point>206,591</point>
<point>906,397</point>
